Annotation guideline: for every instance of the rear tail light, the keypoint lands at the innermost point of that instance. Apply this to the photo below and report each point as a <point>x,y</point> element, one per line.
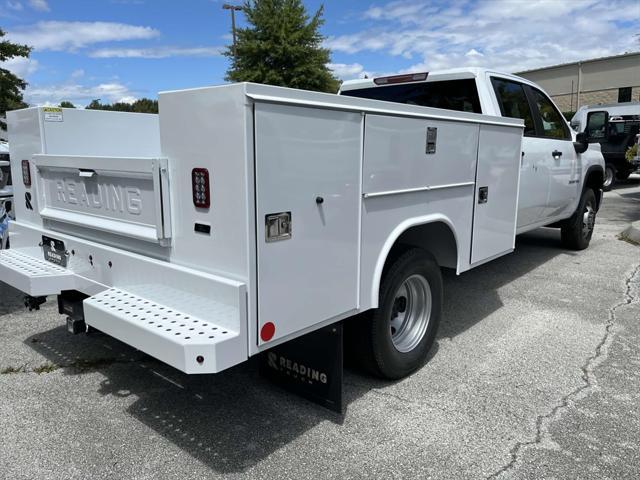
<point>200,187</point>
<point>26,173</point>
<point>410,77</point>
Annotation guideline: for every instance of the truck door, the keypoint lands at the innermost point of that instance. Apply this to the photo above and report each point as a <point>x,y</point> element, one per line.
<point>532,197</point>
<point>558,159</point>
<point>308,191</point>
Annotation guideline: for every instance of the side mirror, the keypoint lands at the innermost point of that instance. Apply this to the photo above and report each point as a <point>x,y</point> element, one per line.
<point>582,142</point>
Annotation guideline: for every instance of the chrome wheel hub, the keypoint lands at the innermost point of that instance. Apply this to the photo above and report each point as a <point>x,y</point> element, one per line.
<point>411,313</point>
<point>588,220</point>
<point>608,177</point>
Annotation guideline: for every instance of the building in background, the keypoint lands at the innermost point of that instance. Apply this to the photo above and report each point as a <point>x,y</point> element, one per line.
<point>588,82</point>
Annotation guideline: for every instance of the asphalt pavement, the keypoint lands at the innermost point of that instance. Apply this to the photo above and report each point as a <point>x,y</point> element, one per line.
<point>535,374</point>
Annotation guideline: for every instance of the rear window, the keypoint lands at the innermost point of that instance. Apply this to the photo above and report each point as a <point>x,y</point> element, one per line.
<point>461,95</point>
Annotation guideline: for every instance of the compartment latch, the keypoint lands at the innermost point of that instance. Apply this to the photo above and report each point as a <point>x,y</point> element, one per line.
<point>277,226</point>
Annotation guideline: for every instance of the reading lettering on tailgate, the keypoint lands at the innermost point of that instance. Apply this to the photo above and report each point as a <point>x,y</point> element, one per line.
<point>106,196</point>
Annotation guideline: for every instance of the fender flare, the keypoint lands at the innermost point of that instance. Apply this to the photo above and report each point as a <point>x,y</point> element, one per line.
<point>392,239</point>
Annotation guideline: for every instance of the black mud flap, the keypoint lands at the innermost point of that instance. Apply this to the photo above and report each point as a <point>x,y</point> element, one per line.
<point>310,366</point>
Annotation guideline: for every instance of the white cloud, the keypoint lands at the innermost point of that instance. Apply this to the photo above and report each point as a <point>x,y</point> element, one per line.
<point>473,53</point>
<point>40,5</point>
<point>77,73</point>
<point>346,71</point>
<point>78,94</point>
<point>13,5</point>
<point>20,66</point>
<point>511,35</point>
<point>57,35</point>
<point>157,52</point>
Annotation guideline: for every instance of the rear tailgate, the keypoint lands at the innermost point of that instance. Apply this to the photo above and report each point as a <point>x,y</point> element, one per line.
<point>123,196</point>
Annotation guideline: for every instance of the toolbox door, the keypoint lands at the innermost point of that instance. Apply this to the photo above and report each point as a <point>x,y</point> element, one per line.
<point>496,196</point>
<point>308,215</point>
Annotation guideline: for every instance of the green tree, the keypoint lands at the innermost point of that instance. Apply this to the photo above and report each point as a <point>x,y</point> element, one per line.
<point>66,104</point>
<point>142,105</point>
<point>11,86</point>
<point>281,46</point>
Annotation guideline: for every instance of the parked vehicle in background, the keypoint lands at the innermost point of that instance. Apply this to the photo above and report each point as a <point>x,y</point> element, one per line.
<point>615,126</point>
<point>6,194</point>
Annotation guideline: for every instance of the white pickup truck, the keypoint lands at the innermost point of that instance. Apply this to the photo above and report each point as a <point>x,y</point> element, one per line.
<point>245,216</point>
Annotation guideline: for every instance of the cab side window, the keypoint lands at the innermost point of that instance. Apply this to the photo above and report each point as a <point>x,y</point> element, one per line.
<point>551,121</point>
<point>513,102</point>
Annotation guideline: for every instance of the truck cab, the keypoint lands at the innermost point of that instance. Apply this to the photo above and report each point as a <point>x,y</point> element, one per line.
<point>555,163</point>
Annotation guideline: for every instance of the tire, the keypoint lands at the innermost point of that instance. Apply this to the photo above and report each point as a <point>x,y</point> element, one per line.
<point>577,232</point>
<point>609,177</point>
<point>394,339</point>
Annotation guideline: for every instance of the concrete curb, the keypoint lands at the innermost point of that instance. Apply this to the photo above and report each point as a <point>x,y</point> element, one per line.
<point>632,232</point>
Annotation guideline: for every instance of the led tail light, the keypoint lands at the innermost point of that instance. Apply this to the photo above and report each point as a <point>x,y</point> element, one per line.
<point>26,173</point>
<point>200,187</point>
<point>410,77</point>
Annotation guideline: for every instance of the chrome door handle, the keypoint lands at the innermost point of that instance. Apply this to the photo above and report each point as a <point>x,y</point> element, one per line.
<point>556,154</point>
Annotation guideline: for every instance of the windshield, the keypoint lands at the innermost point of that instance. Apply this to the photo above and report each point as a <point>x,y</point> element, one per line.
<point>460,95</point>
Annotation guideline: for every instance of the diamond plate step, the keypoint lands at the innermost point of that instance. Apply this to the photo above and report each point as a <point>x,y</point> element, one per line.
<point>186,342</point>
<point>32,275</point>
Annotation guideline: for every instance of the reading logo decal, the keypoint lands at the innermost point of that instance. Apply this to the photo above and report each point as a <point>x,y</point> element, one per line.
<point>296,370</point>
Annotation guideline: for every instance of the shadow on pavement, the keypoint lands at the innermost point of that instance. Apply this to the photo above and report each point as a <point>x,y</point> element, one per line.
<point>12,300</point>
<point>625,211</point>
<point>473,295</point>
<point>234,420</point>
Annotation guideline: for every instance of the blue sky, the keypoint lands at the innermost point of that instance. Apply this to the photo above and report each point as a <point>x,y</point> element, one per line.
<point>119,50</point>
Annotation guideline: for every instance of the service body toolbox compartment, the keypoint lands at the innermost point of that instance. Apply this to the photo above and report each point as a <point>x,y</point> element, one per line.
<point>252,215</point>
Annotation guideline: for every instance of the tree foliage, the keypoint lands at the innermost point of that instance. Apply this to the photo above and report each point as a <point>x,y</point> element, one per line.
<point>66,104</point>
<point>11,86</point>
<point>281,46</point>
<point>143,105</point>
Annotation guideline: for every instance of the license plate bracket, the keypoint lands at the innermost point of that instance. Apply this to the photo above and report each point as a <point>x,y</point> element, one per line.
<point>54,251</point>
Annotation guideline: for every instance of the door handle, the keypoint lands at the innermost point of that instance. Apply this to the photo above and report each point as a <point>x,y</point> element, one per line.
<point>556,154</point>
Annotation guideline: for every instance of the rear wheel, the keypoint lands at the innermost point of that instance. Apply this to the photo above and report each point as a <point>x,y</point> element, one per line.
<point>396,338</point>
<point>609,177</point>
<point>577,232</point>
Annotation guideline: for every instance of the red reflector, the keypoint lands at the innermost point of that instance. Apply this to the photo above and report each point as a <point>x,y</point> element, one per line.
<point>267,331</point>
<point>26,173</point>
<point>200,186</point>
<point>409,77</point>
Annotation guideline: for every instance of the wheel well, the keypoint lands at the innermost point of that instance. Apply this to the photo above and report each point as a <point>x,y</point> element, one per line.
<point>436,238</point>
<point>594,180</point>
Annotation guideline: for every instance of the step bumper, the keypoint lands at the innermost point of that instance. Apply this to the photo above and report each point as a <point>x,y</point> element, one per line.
<point>186,342</point>
<point>32,275</point>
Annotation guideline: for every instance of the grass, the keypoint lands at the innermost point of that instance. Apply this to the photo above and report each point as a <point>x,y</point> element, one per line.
<point>10,370</point>
<point>46,368</point>
<point>624,238</point>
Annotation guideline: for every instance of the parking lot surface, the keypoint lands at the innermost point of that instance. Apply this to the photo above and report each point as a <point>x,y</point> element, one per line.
<point>535,374</point>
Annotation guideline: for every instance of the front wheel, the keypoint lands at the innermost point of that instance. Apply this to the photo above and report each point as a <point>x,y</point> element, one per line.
<point>397,337</point>
<point>577,232</point>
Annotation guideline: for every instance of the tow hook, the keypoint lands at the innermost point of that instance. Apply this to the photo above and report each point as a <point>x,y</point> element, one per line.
<point>33,303</point>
